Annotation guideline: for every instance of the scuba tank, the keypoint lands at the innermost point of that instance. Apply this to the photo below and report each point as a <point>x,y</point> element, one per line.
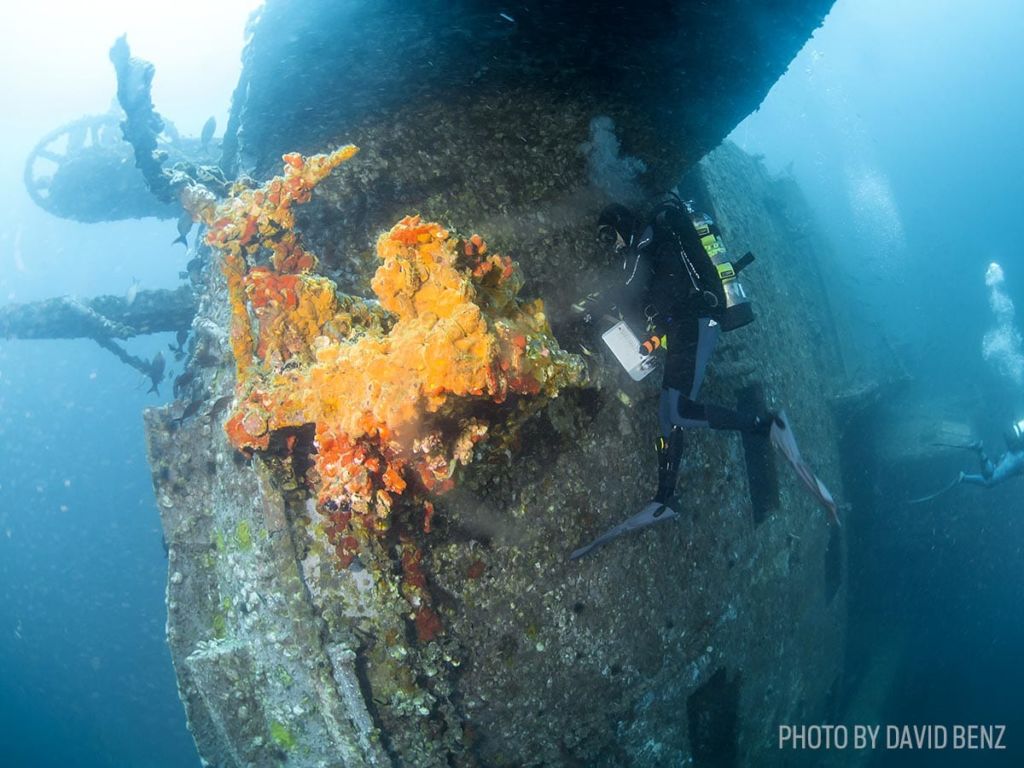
<point>736,310</point>
<point>713,275</point>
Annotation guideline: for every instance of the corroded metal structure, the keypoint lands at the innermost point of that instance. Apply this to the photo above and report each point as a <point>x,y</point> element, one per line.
<point>103,317</point>
<point>84,170</point>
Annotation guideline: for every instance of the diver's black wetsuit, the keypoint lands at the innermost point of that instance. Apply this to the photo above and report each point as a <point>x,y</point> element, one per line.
<point>662,296</point>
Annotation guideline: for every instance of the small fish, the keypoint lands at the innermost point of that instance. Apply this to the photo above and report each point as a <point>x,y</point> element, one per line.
<point>132,292</point>
<point>193,269</point>
<point>507,18</point>
<point>156,372</point>
<point>179,347</point>
<point>205,356</point>
<point>182,381</point>
<point>219,405</point>
<point>184,227</point>
<point>190,410</point>
<point>207,133</point>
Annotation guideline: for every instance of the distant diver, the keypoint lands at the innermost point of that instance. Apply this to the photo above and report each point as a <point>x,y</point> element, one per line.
<point>1010,464</point>
<point>680,283</point>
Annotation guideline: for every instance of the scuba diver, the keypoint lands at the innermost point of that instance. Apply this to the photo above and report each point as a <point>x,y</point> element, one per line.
<point>681,285</point>
<point>673,279</point>
<point>1010,463</point>
<point>991,474</point>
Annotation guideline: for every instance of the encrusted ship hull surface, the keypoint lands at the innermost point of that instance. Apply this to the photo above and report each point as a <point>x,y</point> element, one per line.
<point>689,640</point>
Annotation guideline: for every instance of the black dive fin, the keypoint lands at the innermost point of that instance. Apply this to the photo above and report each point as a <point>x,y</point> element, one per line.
<point>654,512</point>
<point>935,495</point>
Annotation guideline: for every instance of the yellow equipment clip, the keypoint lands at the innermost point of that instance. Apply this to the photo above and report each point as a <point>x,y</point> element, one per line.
<point>713,245</point>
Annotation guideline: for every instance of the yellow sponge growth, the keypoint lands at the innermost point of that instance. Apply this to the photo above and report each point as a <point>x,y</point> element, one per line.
<point>387,385</point>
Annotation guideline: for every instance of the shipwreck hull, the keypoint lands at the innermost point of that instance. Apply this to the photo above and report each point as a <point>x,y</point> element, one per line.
<point>691,640</point>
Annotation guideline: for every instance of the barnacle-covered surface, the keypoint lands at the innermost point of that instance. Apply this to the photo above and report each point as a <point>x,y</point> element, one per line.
<point>461,634</point>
